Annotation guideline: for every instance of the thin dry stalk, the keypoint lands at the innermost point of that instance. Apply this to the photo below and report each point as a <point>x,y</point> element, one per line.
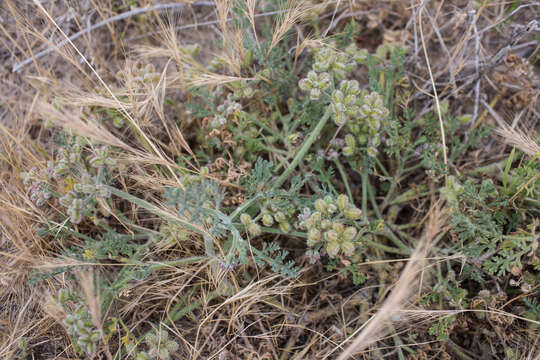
<point>400,295</point>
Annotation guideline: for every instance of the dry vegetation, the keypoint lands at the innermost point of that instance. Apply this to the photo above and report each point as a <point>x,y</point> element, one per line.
<point>445,259</point>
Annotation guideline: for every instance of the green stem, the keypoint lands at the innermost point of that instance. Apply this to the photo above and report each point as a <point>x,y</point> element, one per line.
<point>242,208</point>
<point>385,248</point>
<point>393,186</point>
<point>304,149</point>
<point>381,166</point>
<point>343,174</point>
<point>364,188</point>
<point>392,237</point>
<point>371,192</point>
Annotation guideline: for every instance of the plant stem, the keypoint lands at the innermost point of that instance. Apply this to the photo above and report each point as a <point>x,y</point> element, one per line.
<point>304,149</point>
<point>341,171</point>
<point>239,210</point>
<point>371,192</point>
<point>381,166</point>
<point>364,188</point>
<point>385,248</point>
<point>392,237</point>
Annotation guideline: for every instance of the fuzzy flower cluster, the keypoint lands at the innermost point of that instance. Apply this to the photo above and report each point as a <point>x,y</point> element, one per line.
<point>78,200</point>
<point>326,226</point>
<point>365,127</point>
<point>252,227</point>
<point>329,60</point>
<point>160,347</point>
<point>227,108</point>
<point>315,84</point>
<point>68,158</point>
<point>80,326</point>
<point>338,63</point>
<point>38,189</point>
<point>277,211</point>
<point>141,74</point>
<point>330,64</point>
<point>102,158</point>
<point>242,90</point>
<point>345,102</point>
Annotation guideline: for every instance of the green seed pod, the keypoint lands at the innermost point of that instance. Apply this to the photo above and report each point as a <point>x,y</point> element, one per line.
<point>353,213</point>
<point>172,346</point>
<point>313,77</point>
<point>315,94</point>
<point>94,337</point>
<point>316,217</point>
<point>348,248</point>
<point>267,220</point>
<point>332,248</point>
<point>331,236</point>
<point>280,217</point>
<point>248,92</point>
<point>254,229</point>
<point>349,233</point>
<point>348,151</point>
<point>332,208</point>
<point>163,353</point>
<point>338,227</point>
<point>285,227</point>
<point>325,224</point>
<point>314,236</point>
<point>372,151</point>
<point>163,336</point>
<point>142,356</point>
<point>343,202</point>
<point>350,141</point>
<point>245,219</point>
<point>305,85</point>
<point>321,205</point>
<point>69,320</point>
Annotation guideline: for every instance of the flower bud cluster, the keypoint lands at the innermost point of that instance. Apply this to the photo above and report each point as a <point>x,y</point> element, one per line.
<point>242,90</point>
<point>359,56</point>
<point>365,127</point>
<point>68,158</point>
<point>90,185</point>
<point>279,211</point>
<point>227,108</point>
<point>141,74</point>
<point>38,189</point>
<point>190,50</point>
<point>102,157</point>
<point>345,102</point>
<point>335,62</point>
<point>275,211</point>
<point>326,226</point>
<point>79,325</point>
<point>252,227</point>
<point>315,84</point>
<point>160,347</point>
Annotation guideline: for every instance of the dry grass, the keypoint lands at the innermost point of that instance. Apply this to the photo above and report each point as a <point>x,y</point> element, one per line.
<point>62,60</point>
